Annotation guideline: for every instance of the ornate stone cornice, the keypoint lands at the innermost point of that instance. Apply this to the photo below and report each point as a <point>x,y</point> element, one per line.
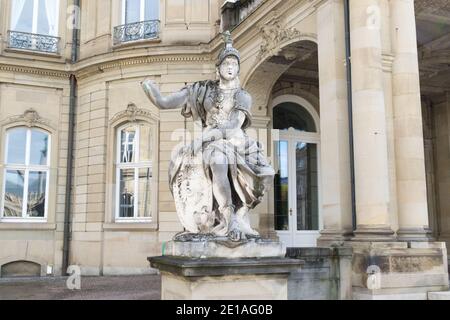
<point>120,63</point>
<point>34,71</point>
<point>132,114</point>
<point>29,118</point>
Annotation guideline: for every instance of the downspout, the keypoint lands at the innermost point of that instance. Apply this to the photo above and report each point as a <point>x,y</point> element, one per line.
<point>348,64</point>
<point>70,142</point>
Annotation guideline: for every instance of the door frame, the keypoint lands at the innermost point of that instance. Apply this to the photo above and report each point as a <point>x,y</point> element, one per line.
<point>294,136</point>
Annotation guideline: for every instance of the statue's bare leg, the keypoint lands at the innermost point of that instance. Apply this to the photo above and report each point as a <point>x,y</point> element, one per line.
<point>222,194</point>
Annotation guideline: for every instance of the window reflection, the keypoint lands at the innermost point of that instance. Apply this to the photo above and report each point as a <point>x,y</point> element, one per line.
<point>281,190</point>
<point>37,182</point>
<point>127,144</point>
<point>306,186</point>
<point>144,198</point>
<point>17,141</point>
<point>13,201</point>
<point>126,199</point>
<point>39,150</point>
<point>145,143</point>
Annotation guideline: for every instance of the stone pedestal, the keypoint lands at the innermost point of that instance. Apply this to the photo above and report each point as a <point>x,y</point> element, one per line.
<point>222,270</point>
<point>398,270</point>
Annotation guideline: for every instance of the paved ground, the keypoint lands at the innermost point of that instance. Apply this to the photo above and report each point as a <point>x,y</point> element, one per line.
<point>146,287</point>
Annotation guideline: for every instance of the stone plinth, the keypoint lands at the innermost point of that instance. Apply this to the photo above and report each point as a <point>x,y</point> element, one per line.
<point>398,270</point>
<point>185,278</point>
<point>217,248</point>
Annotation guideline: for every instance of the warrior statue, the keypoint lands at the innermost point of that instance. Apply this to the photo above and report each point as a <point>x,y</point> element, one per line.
<point>219,177</point>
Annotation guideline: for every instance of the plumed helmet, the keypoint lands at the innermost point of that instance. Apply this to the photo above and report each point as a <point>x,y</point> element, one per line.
<point>228,50</point>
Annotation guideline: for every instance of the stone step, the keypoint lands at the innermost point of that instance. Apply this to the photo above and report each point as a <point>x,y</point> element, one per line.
<point>441,295</point>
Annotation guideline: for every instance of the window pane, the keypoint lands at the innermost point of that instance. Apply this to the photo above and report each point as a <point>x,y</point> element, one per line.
<point>132,11</point>
<point>38,147</point>
<point>145,143</point>
<point>145,180</point>
<point>37,183</point>
<point>43,23</point>
<point>127,147</point>
<point>291,115</point>
<point>281,190</point>
<point>126,193</point>
<point>151,9</point>
<point>22,16</point>
<point>14,193</point>
<point>17,141</point>
<point>307,187</point>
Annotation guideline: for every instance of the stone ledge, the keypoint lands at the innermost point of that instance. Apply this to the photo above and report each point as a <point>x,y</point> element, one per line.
<point>443,295</point>
<point>223,248</point>
<point>194,267</point>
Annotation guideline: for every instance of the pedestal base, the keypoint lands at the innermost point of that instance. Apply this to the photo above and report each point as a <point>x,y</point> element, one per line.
<point>398,270</point>
<point>224,279</point>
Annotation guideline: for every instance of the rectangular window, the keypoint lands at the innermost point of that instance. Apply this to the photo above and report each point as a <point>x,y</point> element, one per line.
<point>35,16</point>
<point>134,173</point>
<point>26,175</point>
<point>139,10</point>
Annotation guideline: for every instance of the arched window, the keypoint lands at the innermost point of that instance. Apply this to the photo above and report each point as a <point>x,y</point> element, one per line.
<point>26,174</point>
<point>134,176</point>
<point>291,115</point>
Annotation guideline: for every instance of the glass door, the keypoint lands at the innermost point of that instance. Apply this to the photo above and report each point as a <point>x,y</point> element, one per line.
<point>296,189</point>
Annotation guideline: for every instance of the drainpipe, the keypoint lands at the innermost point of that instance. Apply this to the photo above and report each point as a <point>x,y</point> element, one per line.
<point>70,144</point>
<point>348,64</point>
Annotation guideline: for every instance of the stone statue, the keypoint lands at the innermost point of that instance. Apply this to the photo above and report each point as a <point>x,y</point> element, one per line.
<point>219,177</point>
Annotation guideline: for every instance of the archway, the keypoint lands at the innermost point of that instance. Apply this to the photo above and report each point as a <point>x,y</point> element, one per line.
<point>285,91</point>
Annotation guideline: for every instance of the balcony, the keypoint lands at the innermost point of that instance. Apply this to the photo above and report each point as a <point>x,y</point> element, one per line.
<point>33,42</point>
<point>142,30</point>
<point>236,11</point>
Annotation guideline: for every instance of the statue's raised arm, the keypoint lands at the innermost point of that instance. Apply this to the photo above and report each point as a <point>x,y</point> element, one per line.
<point>173,101</point>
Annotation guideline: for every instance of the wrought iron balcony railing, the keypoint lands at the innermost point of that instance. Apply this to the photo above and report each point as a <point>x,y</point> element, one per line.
<point>32,41</point>
<point>136,31</point>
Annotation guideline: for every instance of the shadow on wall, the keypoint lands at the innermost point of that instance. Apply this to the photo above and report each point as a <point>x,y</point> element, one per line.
<point>20,269</point>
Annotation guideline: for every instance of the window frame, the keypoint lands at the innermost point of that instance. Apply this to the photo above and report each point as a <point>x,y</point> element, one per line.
<point>34,23</point>
<point>27,168</point>
<point>141,12</point>
<point>136,165</point>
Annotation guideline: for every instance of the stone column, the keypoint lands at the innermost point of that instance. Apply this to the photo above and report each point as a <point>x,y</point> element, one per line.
<point>409,144</point>
<point>369,112</point>
<point>335,156</point>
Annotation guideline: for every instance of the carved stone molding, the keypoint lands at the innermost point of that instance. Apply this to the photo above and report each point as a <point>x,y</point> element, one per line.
<point>275,34</point>
<point>132,113</point>
<point>30,118</point>
<point>87,71</point>
<point>35,71</point>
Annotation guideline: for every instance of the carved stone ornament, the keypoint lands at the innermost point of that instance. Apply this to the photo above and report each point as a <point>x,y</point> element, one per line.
<point>131,113</point>
<point>31,118</point>
<point>273,35</point>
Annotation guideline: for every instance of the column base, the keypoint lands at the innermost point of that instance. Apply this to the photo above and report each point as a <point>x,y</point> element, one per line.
<point>414,234</point>
<point>380,233</point>
<point>334,237</point>
<point>398,270</point>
